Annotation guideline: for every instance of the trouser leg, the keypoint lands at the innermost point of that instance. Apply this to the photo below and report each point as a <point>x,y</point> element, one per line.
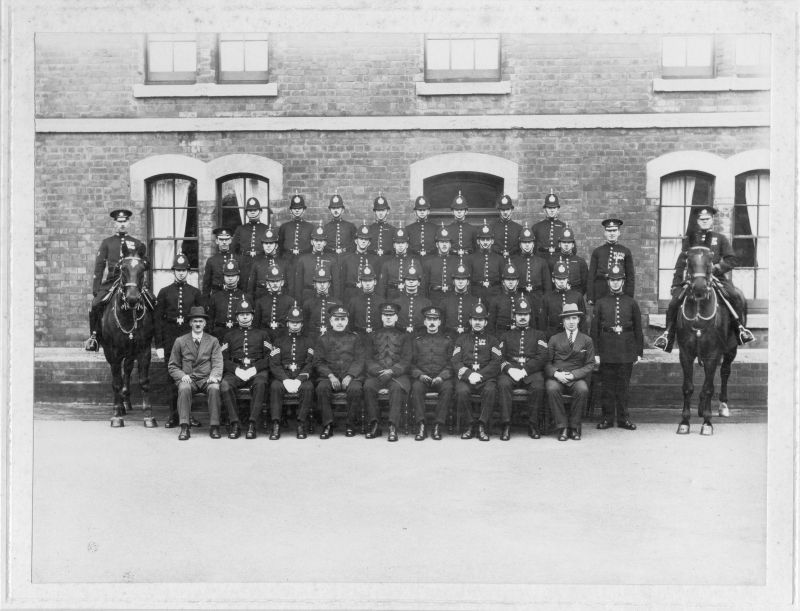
<point>444,401</point>
<point>212,390</point>
<point>535,397</point>
<point>258,391</point>
<point>185,391</point>
<point>227,389</point>
<point>608,374</point>
<point>397,400</point>
<point>324,401</point>
<point>553,390</point>
<point>306,397</point>
<point>505,387</point>
<point>488,400</point>
<point>355,395</point>
<point>622,387</point>
<point>371,388</point>
<point>276,392</point>
<point>580,396</point>
<point>417,399</point>
<point>463,401</point>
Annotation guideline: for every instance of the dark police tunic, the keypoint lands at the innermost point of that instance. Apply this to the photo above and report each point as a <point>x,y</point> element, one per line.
<point>421,237</point>
<point>171,316</point>
<point>246,242</point>
<point>501,312</point>
<point>506,237</point>
<point>552,306</point>
<point>213,278</point>
<point>387,348</point>
<point>600,263</point>
<point>339,236</point>
<point>410,317</point>
<point>463,235</point>
<point>430,356</point>
<point>534,280</point>
<point>222,311</point>
<point>476,352</point>
<point>618,339</point>
<point>527,349</point>
<point>257,282</point>
<point>576,268</point>
<point>438,270</point>
<point>305,271</point>
<point>545,237</point>
<point>107,257</point>
<point>365,316</point>
<point>271,312</point>
<point>340,353</point>
<point>457,307</point>
<point>294,238</point>
<point>315,315</point>
<point>245,348</point>
<point>721,254</point>
<point>350,273</point>
<point>486,268</point>
<point>391,273</point>
<point>291,358</point>
<point>381,233</point>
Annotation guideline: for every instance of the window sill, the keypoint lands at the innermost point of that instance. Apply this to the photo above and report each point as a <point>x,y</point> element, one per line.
<point>487,88</point>
<point>711,84</point>
<point>754,321</point>
<point>205,90</point>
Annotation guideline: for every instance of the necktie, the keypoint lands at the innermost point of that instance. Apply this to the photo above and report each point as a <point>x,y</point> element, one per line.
<point>197,342</point>
<point>571,339</point>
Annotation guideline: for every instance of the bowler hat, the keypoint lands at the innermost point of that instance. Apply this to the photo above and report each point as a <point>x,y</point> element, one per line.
<point>197,312</point>
<point>570,309</point>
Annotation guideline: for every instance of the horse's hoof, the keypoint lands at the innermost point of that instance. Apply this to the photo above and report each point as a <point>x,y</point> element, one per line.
<point>707,429</point>
<point>150,423</point>
<point>724,412</point>
<point>683,429</point>
<point>117,422</point>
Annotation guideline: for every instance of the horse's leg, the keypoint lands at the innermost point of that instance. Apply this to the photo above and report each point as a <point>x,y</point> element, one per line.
<point>687,364</point>
<point>127,370</point>
<point>710,365</point>
<point>144,385</point>
<point>116,385</point>
<point>724,374</point>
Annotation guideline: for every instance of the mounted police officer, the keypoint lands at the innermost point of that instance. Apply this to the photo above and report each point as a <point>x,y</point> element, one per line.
<point>724,260</point>
<point>547,231</point>
<point>106,270</point>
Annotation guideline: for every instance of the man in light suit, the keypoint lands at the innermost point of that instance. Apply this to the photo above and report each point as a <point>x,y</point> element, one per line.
<point>195,365</point>
<point>570,361</point>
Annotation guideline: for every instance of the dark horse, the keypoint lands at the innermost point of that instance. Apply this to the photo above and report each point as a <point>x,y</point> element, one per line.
<point>126,336</point>
<point>704,332</point>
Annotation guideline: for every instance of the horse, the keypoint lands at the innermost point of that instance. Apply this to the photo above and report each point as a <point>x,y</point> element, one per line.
<point>704,332</point>
<point>126,336</point>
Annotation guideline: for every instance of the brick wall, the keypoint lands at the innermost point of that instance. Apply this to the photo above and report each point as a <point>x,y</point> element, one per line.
<point>375,74</point>
<point>597,173</point>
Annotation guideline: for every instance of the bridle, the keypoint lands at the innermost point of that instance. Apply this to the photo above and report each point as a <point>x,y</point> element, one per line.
<point>122,302</point>
<point>704,274</point>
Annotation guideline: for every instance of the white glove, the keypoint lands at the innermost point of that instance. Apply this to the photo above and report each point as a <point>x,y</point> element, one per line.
<point>516,373</point>
<point>160,353</point>
<point>474,378</point>
<point>291,386</point>
<point>241,374</point>
<point>251,372</point>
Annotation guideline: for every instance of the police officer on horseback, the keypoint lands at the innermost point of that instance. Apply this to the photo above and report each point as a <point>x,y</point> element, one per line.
<point>723,260</point>
<point>106,270</point>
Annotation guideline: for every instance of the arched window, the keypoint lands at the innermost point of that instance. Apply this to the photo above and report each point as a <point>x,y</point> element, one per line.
<point>234,191</point>
<point>481,190</point>
<point>172,226</point>
<point>750,239</point>
<point>679,192</point>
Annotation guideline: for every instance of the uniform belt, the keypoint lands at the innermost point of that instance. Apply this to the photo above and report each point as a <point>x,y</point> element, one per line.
<point>622,327</point>
<point>239,361</point>
<point>437,287</point>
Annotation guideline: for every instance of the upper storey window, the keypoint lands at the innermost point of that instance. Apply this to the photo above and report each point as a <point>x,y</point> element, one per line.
<point>687,57</point>
<point>243,58</point>
<point>752,55</point>
<point>462,57</point>
<point>171,58</point>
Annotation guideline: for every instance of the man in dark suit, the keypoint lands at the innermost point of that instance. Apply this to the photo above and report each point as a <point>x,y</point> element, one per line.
<point>195,365</point>
<point>570,361</point>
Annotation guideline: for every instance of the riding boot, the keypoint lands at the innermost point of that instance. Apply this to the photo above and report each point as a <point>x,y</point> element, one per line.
<point>91,344</point>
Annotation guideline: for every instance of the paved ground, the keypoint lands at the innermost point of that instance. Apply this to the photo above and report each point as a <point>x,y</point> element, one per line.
<point>618,507</point>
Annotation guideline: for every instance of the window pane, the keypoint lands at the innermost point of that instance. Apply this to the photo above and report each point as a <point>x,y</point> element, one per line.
<point>762,284</point>
<point>159,56</point>
<point>438,55</point>
<point>486,54</point>
<point>763,220</point>
<point>185,57</point>
<point>745,280</point>
<point>256,55</point>
<point>698,51</point>
<point>668,251</point>
<point>673,52</point>
<point>231,56</point>
<point>672,224</point>
<point>762,252</point>
<point>664,283</point>
<point>462,54</point>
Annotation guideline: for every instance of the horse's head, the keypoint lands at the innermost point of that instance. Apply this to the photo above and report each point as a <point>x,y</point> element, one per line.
<point>132,273</point>
<point>698,270</point>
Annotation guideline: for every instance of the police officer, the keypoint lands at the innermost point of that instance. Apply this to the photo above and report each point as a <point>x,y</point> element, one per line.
<point>422,231</point>
<point>339,363</point>
<point>363,306</point>
<point>462,232</point>
<point>388,357</point>
<point>524,355</point>
<point>380,231</point>
<point>291,364</point>
<point>431,371</point>
<point>501,307</point>
<point>547,231</point>
<point>577,270</point>
<point>438,268</point>
<point>412,302</point>
<point>476,361</point>
<point>486,266</point>
<point>458,304</point>
<point>260,271</point>
<point>619,344</point>
<point>272,308</point>
<point>339,233</point>
<point>309,263</point>
<point>247,238</point>
<point>213,274</point>
<point>604,258</point>
<point>106,269</point>
<point>554,302</point>
<point>505,231</point>
<point>294,238</point>
<point>534,273</point>
<point>723,259</point>
<point>246,352</point>
<point>390,281</point>
<point>171,320</point>
<point>315,310</point>
<point>354,262</point>
<point>222,306</point>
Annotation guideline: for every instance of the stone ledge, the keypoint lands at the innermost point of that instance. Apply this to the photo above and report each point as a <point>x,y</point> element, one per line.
<point>205,90</point>
<point>486,88</point>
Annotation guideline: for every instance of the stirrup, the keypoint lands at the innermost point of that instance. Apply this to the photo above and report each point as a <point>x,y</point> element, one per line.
<point>745,335</point>
<point>662,341</point>
<point>91,344</point>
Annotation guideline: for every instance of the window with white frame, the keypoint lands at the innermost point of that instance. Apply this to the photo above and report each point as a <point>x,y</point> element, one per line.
<point>172,227</point>
<point>234,191</point>
<point>687,57</point>
<point>462,57</point>
<point>751,235</point>
<point>752,55</point>
<point>243,58</point>
<point>171,58</point>
<point>679,192</point>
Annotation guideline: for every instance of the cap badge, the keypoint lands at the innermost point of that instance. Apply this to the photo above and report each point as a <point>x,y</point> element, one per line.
<point>523,304</point>
<point>562,269</point>
<point>245,304</point>
<point>321,272</point>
